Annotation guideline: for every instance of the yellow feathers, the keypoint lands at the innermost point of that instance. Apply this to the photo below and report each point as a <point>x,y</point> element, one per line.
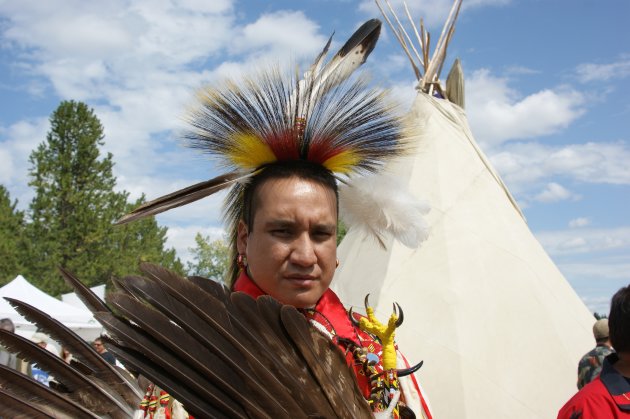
<point>343,162</point>
<point>250,151</point>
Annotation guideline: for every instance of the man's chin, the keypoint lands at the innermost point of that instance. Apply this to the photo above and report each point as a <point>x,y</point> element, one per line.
<point>303,300</point>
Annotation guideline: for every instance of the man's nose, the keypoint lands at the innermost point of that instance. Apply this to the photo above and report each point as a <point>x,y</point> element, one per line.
<point>303,253</point>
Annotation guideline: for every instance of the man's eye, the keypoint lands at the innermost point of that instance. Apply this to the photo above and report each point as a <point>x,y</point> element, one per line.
<point>281,232</point>
<point>322,235</point>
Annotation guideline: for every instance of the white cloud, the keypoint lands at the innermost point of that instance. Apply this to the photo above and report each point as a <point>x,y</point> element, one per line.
<point>555,192</point>
<point>525,164</point>
<point>270,32</point>
<point>521,70</point>
<point>585,240</point>
<point>589,72</point>
<point>138,63</point>
<point>579,222</point>
<point>19,140</point>
<point>497,113</point>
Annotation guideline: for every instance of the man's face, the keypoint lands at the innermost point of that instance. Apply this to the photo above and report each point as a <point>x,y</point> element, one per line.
<point>292,248</point>
<point>98,346</point>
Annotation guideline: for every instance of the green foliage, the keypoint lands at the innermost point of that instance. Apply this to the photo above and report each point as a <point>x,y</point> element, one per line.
<point>12,244</point>
<point>75,205</point>
<point>211,258</point>
<point>341,231</point>
<point>599,316</point>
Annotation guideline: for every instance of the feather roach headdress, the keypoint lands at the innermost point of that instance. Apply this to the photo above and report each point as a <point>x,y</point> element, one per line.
<point>324,118</point>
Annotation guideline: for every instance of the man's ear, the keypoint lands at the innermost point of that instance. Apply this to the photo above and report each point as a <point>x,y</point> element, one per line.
<point>241,237</point>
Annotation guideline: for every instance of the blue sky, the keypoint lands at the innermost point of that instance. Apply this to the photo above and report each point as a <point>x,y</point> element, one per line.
<point>546,85</point>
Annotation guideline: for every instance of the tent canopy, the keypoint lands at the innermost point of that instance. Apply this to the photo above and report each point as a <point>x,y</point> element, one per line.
<point>77,319</point>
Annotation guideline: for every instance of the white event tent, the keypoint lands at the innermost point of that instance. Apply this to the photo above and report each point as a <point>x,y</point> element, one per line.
<point>79,320</point>
<point>499,328</point>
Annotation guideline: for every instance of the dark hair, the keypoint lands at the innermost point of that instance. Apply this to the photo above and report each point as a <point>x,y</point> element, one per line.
<point>619,320</point>
<point>300,169</point>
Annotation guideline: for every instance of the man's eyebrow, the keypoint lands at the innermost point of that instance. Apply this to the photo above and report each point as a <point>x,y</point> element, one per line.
<point>279,223</point>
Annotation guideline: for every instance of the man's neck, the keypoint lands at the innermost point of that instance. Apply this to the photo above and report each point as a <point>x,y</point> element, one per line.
<point>623,364</point>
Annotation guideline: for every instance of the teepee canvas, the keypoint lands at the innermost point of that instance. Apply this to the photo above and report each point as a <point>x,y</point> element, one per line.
<point>498,327</point>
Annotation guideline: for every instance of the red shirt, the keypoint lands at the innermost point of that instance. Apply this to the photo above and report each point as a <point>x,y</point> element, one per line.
<point>606,397</point>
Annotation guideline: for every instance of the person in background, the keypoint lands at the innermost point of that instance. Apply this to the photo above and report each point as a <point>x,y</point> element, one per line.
<point>591,363</point>
<point>608,395</point>
<point>65,354</point>
<point>37,373</point>
<point>7,358</point>
<point>100,348</point>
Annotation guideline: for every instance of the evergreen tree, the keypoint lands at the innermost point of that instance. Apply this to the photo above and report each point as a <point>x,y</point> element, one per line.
<point>75,205</point>
<point>211,258</point>
<point>12,243</point>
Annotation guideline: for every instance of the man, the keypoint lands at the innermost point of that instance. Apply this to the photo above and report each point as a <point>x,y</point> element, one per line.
<point>591,364</point>
<point>100,348</point>
<point>608,396</point>
<point>7,358</point>
<point>284,143</point>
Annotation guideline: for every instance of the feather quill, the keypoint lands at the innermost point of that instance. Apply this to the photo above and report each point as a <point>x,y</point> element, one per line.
<point>184,196</point>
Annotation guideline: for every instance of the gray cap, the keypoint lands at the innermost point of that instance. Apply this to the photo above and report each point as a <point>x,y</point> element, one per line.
<point>600,329</point>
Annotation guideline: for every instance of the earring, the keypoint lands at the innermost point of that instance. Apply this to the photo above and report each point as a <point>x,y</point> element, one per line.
<point>337,263</point>
<point>241,261</point>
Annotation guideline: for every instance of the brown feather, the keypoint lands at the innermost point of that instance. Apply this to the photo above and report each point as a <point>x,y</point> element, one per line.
<point>91,300</point>
<point>81,350</point>
<point>187,349</point>
<point>281,353</point>
<point>33,391</point>
<point>163,367</point>
<point>327,364</point>
<point>180,390</point>
<point>90,392</point>
<point>16,407</point>
<point>266,368</point>
<point>184,196</point>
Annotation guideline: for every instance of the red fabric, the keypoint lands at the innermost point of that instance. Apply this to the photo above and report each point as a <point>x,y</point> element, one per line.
<point>593,401</point>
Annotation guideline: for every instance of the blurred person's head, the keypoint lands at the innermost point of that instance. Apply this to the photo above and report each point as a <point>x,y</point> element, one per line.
<point>600,331</point>
<point>7,324</point>
<point>40,339</point>
<point>98,345</point>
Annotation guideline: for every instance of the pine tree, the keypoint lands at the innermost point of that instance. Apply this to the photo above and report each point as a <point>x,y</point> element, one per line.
<point>12,241</point>
<point>211,258</point>
<point>75,205</point>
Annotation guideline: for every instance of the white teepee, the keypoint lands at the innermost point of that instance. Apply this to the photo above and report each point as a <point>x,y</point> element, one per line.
<point>498,327</point>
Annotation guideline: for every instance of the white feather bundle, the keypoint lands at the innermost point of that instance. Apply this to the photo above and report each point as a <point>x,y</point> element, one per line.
<point>378,205</point>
